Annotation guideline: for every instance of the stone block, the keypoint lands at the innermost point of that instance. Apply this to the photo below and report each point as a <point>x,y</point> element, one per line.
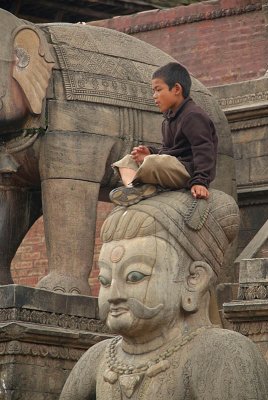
<point>104,120</point>
<point>42,336</point>
<point>242,171</point>
<point>254,271</point>
<point>225,169</point>
<point>249,317</point>
<point>255,148</point>
<point>259,169</point>
<point>22,297</point>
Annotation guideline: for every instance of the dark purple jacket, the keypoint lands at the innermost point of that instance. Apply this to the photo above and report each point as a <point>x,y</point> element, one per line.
<point>190,136</point>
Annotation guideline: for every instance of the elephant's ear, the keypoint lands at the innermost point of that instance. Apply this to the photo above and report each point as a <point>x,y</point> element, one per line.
<point>33,65</point>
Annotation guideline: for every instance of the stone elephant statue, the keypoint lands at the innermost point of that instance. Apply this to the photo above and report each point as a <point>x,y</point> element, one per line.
<point>73,99</point>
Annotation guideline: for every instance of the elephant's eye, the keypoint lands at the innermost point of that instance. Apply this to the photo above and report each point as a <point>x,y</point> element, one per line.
<point>104,281</point>
<point>135,276</point>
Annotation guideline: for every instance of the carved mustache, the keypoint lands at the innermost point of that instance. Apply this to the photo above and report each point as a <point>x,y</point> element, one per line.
<point>138,309</point>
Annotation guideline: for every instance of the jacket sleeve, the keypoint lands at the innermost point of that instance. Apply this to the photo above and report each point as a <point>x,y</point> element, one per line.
<point>199,131</point>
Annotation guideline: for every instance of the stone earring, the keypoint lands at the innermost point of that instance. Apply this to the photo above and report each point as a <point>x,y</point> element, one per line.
<point>189,303</point>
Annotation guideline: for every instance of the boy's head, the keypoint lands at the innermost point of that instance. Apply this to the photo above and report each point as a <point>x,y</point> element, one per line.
<point>173,73</point>
<point>171,85</point>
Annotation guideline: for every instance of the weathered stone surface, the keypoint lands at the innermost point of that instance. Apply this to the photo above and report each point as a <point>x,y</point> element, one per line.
<point>42,335</point>
<point>249,314</point>
<point>259,169</point>
<point>246,105</point>
<point>75,117</point>
<point>158,266</point>
<point>254,246</point>
<point>243,171</point>
<point>254,271</point>
<point>22,297</point>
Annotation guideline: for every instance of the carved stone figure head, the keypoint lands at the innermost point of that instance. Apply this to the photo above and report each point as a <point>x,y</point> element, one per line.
<point>159,260</point>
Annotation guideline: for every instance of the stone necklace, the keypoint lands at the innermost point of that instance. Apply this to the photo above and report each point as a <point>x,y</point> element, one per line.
<point>129,375</point>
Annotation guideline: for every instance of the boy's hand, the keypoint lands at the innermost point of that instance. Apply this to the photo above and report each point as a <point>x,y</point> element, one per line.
<point>199,192</point>
<point>139,153</point>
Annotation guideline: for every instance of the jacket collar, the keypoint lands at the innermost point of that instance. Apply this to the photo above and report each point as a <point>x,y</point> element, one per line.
<point>172,114</point>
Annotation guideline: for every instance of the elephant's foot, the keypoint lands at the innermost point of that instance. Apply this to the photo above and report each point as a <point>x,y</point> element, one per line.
<point>64,284</point>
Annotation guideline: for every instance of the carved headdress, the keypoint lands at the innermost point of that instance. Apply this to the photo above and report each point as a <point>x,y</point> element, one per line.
<point>203,228</point>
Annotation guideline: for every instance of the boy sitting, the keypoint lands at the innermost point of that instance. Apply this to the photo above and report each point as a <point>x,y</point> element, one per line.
<point>187,158</point>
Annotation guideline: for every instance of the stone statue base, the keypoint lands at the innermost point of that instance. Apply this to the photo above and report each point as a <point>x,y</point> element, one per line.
<point>42,335</point>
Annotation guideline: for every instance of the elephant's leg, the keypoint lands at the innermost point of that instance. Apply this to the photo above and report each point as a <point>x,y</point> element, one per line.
<point>69,220</point>
<point>19,209</point>
<point>72,165</point>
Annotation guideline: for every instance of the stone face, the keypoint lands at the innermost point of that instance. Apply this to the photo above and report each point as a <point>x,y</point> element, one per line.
<point>158,265</point>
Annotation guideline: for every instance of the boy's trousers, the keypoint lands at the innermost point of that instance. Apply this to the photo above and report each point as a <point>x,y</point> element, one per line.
<point>163,170</point>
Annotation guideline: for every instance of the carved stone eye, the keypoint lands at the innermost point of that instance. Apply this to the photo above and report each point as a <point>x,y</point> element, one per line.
<point>135,276</point>
<point>104,281</point>
<point>22,56</point>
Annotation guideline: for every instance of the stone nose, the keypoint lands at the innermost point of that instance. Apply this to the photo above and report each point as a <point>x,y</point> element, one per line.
<point>116,294</point>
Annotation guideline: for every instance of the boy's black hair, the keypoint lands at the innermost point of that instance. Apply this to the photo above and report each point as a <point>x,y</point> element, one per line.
<point>173,73</point>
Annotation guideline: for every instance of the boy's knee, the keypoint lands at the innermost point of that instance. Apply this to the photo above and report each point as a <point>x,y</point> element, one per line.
<point>152,160</point>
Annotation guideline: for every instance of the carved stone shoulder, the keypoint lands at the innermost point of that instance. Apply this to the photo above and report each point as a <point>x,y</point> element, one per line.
<point>81,383</point>
<point>226,365</point>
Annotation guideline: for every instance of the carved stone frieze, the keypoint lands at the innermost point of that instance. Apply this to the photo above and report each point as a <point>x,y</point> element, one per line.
<point>100,71</point>
<point>16,347</point>
<point>253,123</point>
<point>251,328</point>
<point>53,319</point>
<point>188,19</point>
<point>245,103</point>
<point>251,292</point>
<point>241,100</point>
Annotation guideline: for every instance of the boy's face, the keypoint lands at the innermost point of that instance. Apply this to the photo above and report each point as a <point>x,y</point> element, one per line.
<point>165,98</point>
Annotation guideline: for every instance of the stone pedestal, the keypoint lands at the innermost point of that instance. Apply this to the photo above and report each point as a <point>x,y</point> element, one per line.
<point>42,335</point>
<point>249,313</point>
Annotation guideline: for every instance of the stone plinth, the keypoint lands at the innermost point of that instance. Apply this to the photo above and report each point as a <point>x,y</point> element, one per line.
<point>42,335</point>
<point>249,313</point>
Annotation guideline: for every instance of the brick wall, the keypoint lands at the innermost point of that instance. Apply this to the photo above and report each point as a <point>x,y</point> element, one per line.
<point>220,42</point>
<point>30,263</point>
